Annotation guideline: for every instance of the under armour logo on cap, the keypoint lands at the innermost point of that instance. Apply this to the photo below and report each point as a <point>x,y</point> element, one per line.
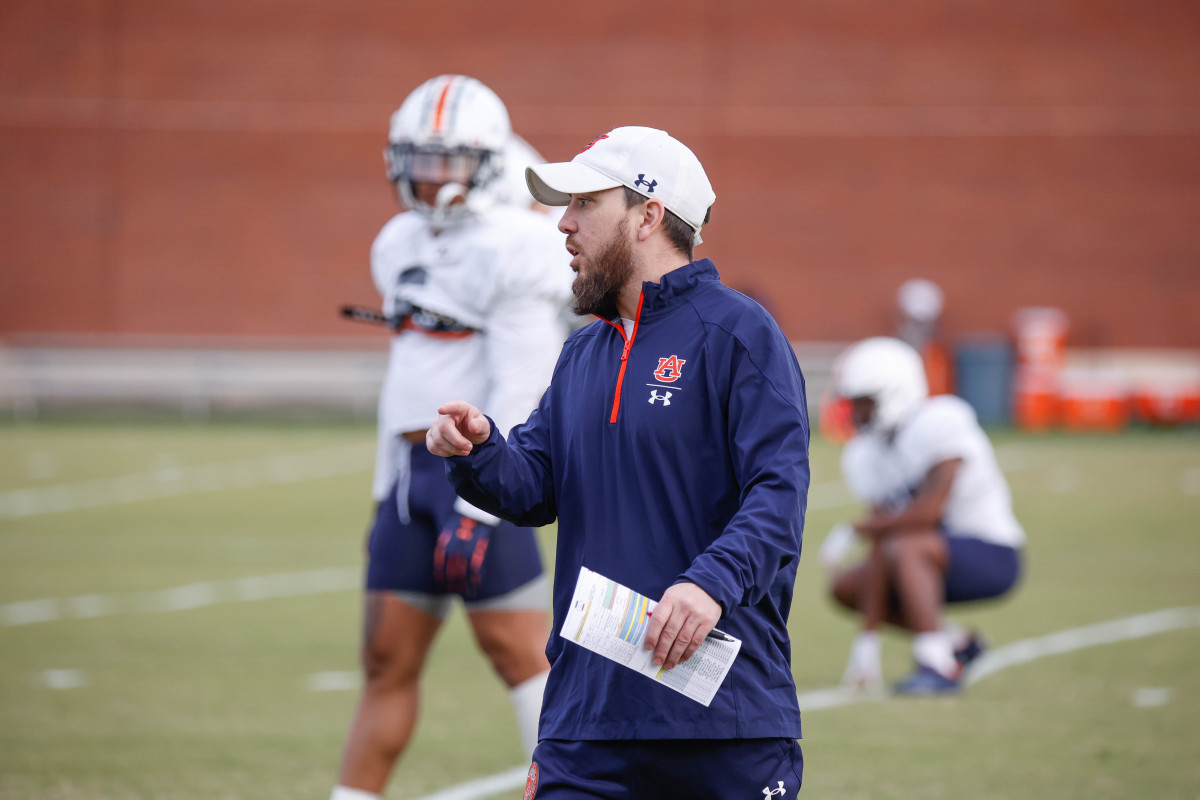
<point>641,181</point>
<point>609,161</point>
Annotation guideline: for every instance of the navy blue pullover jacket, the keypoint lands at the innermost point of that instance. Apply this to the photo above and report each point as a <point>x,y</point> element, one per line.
<point>678,454</point>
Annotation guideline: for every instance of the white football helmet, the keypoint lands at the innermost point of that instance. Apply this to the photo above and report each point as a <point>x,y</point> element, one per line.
<point>511,188</point>
<point>888,371</point>
<point>452,130</point>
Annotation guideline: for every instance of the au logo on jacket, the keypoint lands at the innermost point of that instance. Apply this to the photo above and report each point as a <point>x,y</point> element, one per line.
<point>669,368</point>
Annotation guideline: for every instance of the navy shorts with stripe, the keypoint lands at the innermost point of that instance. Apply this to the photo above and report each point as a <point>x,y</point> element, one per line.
<point>979,570</point>
<point>696,769</point>
<point>400,555</point>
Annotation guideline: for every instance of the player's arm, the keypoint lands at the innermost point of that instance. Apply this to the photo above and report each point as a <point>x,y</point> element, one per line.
<point>923,511</point>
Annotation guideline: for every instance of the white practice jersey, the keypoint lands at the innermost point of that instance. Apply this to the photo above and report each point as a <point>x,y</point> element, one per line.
<point>487,298</point>
<point>886,475</point>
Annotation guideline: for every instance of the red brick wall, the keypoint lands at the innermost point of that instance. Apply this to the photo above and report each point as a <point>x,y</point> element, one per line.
<point>214,168</point>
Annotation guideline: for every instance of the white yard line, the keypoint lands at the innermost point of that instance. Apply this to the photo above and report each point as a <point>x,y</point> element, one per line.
<point>184,598</point>
<point>274,470</point>
<point>334,681</point>
<point>177,481</point>
<point>1001,658</point>
<point>1189,481</point>
<point>60,679</point>
<point>486,786</point>
<point>206,593</point>
<point>1150,697</point>
<point>283,469</point>
<point>212,477</point>
<point>1117,630</point>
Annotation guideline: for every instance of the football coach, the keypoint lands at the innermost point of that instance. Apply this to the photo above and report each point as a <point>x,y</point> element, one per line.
<point>672,448</point>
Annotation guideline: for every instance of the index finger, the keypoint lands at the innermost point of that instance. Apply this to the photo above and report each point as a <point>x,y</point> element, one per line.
<point>454,408</point>
<point>444,438</point>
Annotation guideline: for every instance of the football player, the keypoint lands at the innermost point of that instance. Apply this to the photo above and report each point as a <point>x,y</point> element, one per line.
<point>940,526</point>
<point>473,282</point>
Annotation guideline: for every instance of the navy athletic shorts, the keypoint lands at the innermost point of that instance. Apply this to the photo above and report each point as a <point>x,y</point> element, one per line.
<point>696,769</point>
<point>979,570</point>
<point>400,556</point>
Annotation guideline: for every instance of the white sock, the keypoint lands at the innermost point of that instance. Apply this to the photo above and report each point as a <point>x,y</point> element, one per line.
<point>867,646</point>
<point>346,793</point>
<point>935,650</point>
<point>527,702</point>
<point>864,670</point>
<point>959,636</point>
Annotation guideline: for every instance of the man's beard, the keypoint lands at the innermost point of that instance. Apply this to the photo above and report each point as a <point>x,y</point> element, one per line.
<point>597,291</point>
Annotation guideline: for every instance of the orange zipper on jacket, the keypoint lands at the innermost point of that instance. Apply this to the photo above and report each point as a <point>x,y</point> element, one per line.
<point>624,355</point>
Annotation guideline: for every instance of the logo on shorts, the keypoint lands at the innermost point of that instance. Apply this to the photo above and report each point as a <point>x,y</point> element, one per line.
<point>531,782</point>
<point>768,792</point>
<point>669,369</point>
<point>665,397</point>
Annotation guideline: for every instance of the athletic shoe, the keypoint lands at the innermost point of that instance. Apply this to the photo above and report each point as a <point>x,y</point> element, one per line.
<point>926,681</point>
<point>970,652</point>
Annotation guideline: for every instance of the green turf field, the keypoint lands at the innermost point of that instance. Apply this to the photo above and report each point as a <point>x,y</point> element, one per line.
<point>105,692</point>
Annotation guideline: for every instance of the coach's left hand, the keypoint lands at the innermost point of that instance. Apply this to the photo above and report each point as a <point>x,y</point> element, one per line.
<point>680,622</point>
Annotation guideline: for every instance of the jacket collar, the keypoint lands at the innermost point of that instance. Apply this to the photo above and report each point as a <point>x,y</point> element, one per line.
<point>677,284</point>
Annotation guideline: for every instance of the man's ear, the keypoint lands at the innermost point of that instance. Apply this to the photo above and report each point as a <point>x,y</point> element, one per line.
<point>650,218</point>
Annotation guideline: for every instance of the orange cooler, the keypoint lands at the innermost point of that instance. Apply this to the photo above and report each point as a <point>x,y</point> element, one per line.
<point>1094,404</point>
<point>1168,402</point>
<point>1035,399</point>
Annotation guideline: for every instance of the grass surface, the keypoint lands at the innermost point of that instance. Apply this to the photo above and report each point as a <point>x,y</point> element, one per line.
<point>214,702</point>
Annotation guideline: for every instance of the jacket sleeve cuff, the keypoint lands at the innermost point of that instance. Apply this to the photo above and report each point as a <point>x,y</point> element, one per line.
<point>711,587</point>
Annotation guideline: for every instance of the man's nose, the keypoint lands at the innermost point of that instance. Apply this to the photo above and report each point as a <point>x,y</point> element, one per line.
<point>566,223</point>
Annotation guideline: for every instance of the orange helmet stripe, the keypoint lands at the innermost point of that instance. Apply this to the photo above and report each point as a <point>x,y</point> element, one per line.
<point>439,114</point>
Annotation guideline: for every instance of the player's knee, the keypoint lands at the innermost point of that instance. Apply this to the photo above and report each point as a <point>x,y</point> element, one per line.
<point>892,549</point>
<point>844,592</point>
<point>913,546</point>
<point>501,648</point>
<point>898,548</point>
<point>390,664</point>
<point>514,657</point>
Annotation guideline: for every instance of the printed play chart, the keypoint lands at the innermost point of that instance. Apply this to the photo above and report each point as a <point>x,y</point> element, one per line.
<point>610,619</point>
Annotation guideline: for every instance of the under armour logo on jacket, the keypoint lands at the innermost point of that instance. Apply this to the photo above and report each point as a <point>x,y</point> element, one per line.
<point>665,397</point>
<point>768,792</point>
<point>641,181</point>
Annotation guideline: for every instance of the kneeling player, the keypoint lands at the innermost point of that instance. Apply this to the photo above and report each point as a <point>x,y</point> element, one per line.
<point>940,528</point>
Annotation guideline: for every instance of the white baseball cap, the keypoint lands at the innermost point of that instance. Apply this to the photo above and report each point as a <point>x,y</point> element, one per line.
<point>646,160</point>
<point>920,299</point>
